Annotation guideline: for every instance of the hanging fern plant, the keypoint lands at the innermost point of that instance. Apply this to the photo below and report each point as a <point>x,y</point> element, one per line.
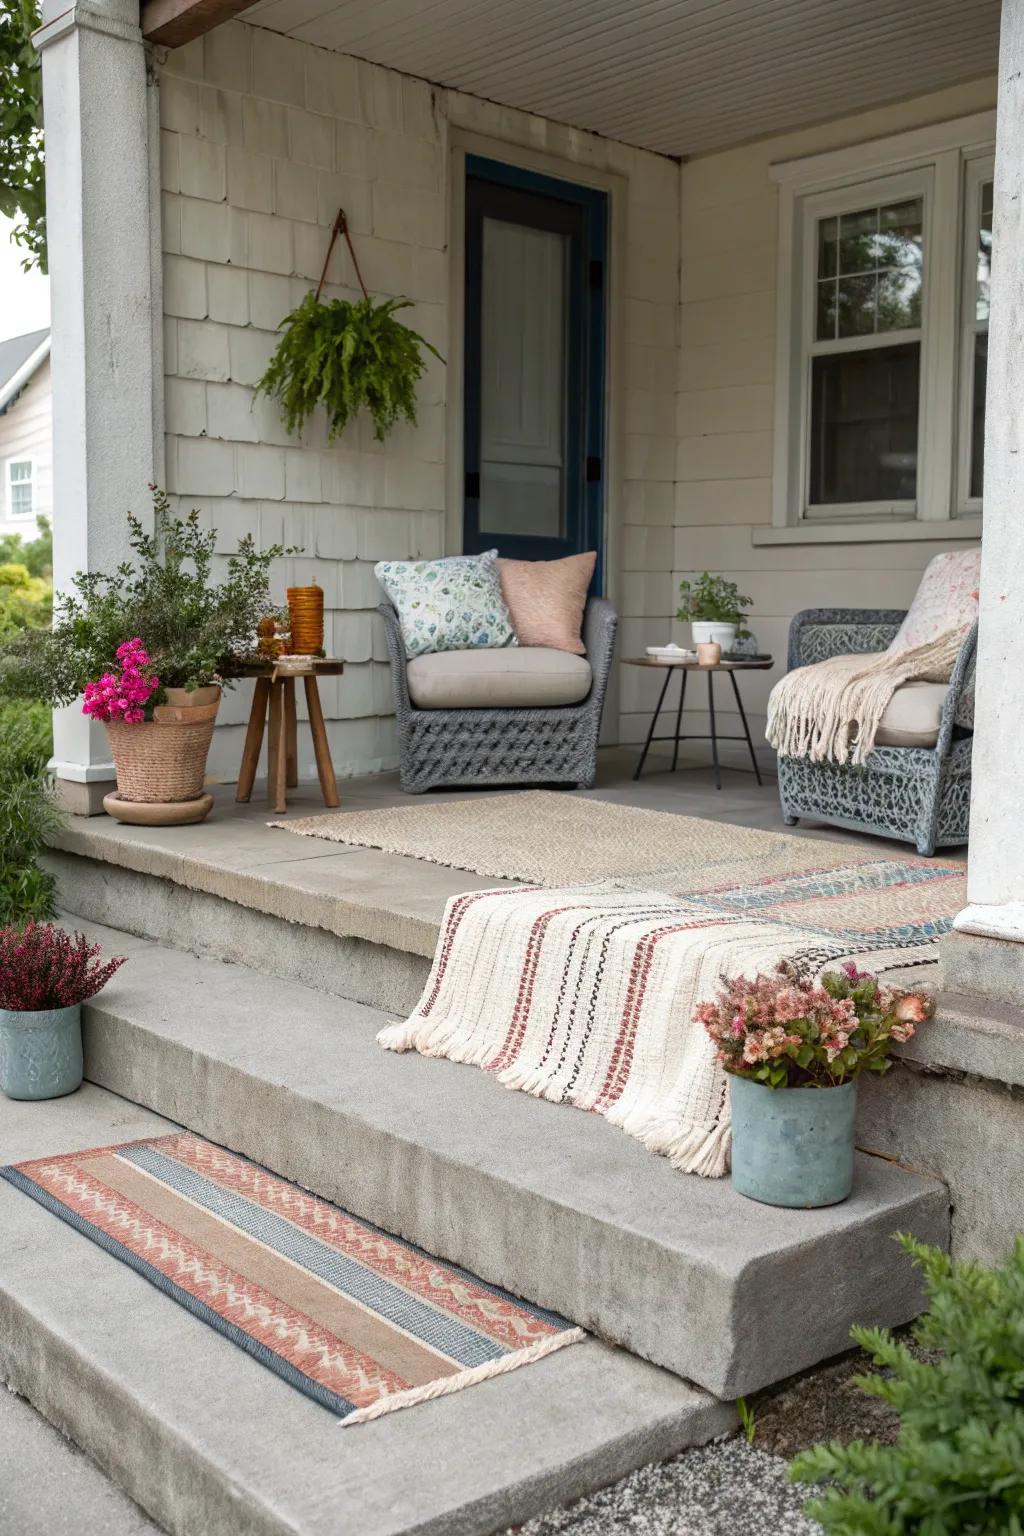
<point>346,356</point>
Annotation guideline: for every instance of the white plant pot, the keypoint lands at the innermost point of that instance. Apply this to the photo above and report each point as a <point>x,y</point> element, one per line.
<point>705,630</point>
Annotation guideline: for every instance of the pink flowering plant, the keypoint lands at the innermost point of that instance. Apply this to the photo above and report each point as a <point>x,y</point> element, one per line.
<point>787,1032</point>
<point>42,966</point>
<point>123,695</point>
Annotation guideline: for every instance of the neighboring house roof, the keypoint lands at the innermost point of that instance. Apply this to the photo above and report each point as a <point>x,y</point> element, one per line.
<point>20,356</point>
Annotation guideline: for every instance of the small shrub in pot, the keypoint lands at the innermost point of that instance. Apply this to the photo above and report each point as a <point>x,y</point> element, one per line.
<point>46,974</point>
<point>793,1049</point>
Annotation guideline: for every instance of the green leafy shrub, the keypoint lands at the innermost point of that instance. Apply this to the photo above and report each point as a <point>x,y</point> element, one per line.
<point>26,601</point>
<point>958,1465</point>
<point>345,356</point>
<point>27,812</point>
<point>193,628</point>
<point>36,555</point>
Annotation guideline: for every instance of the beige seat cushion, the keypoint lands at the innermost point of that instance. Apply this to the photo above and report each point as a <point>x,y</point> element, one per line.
<point>528,676</point>
<point>912,716</point>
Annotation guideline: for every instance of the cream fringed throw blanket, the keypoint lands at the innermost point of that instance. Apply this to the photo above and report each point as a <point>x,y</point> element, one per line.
<point>832,709</point>
<point>585,994</point>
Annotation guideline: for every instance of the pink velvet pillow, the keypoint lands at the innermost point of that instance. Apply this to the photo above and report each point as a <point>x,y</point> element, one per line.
<point>546,599</point>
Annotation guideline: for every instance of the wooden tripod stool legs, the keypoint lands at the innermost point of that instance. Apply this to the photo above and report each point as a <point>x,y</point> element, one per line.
<point>321,747</point>
<point>253,739</point>
<point>273,701</point>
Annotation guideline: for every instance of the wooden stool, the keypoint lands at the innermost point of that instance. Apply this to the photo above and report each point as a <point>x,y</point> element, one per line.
<point>273,700</point>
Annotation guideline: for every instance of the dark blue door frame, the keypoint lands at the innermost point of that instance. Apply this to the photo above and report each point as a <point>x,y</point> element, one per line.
<point>581,214</point>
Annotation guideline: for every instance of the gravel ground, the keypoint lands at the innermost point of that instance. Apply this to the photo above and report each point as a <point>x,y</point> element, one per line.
<point>729,1488</point>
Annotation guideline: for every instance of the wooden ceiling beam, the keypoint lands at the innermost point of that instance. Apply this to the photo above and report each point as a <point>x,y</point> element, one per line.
<point>172,23</point>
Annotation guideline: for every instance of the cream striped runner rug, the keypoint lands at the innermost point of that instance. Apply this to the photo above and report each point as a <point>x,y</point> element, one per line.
<point>585,994</point>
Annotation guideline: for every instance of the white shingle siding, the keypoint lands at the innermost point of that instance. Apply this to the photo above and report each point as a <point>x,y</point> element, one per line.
<point>264,137</point>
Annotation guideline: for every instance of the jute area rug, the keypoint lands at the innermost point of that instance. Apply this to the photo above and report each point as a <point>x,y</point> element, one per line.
<point>358,1320</point>
<point>545,838</point>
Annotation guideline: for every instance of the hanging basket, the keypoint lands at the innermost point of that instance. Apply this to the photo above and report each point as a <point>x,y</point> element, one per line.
<point>163,760</point>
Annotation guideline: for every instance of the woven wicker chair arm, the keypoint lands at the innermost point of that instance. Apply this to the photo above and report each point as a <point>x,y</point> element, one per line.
<point>396,653</point>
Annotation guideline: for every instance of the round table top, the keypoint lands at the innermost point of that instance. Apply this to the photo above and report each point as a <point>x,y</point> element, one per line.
<point>753,664</point>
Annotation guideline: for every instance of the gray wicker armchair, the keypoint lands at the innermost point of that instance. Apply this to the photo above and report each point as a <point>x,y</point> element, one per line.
<point>555,745</point>
<point>918,795</point>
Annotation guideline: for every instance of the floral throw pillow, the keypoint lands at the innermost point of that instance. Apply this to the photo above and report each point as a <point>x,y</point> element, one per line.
<point>946,599</point>
<point>448,605</point>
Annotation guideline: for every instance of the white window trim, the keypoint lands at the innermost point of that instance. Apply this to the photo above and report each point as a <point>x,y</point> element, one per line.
<point>978,169</point>
<point>940,151</point>
<point>12,516</point>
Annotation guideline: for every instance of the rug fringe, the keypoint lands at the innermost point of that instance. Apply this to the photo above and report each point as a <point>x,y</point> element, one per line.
<point>700,1149</point>
<point>448,1384</point>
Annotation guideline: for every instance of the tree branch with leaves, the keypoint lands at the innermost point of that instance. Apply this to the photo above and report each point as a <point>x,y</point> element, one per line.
<point>22,173</point>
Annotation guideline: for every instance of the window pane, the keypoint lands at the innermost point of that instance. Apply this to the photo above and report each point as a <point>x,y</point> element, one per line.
<point>825,327</point>
<point>864,413</point>
<point>828,258</point>
<point>899,299</point>
<point>21,499</point>
<point>984,270</point>
<point>899,234</point>
<point>857,305</point>
<point>857,242</point>
<point>21,470</point>
<point>978,413</point>
<point>523,380</point>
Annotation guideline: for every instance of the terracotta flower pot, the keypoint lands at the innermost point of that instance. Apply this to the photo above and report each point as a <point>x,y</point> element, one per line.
<point>163,760</point>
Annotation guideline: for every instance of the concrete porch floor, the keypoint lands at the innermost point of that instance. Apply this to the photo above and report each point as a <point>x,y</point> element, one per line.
<point>386,897</point>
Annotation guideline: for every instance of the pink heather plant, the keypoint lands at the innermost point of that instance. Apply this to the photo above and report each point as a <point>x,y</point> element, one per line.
<point>42,966</point>
<point>789,1033</point>
<point>123,697</point>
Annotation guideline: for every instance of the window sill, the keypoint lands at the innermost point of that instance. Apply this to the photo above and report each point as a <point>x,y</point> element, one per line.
<point>947,529</point>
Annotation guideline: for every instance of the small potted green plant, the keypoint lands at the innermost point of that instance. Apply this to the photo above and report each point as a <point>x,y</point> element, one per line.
<point>46,975</point>
<point>793,1050</point>
<point>714,608</point>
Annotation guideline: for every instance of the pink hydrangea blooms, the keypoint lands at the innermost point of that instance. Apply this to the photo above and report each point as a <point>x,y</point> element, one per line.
<point>123,696</point>
<point>783,1030</point>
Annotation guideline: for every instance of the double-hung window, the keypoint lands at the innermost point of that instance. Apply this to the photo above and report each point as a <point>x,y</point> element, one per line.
<point>884,264</point>
<point>20,501</point>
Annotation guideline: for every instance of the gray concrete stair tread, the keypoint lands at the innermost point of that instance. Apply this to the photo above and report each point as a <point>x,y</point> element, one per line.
<point>207,1440</point>
<point>47,1486</point>
<point>352,892</point>
<point>556,1204</point>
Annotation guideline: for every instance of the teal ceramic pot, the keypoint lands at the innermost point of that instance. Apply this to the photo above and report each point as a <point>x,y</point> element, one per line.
<point>792,1146</point>
<point>41,1053</point>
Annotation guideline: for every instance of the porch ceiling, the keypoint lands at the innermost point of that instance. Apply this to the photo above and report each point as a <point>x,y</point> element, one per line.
<point>678,76</point>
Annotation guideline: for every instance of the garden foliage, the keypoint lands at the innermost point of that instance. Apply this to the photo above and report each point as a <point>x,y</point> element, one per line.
<point>957,1468</point>
<point>27,812</point>
<point>193,626</point>
<point>346,356</point>
<point>22,177</point>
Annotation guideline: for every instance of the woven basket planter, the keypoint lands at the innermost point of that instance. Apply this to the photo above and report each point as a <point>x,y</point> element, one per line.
<point>163,760</point>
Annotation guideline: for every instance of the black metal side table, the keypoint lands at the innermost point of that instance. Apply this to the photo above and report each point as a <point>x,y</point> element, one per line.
<point>668,667</point>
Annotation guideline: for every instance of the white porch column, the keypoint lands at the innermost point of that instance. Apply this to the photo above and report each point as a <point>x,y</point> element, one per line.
<point>987,953</point>
<point>103,245</point>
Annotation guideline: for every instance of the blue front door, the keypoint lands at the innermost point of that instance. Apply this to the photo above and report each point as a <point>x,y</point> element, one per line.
<point>534,364</point>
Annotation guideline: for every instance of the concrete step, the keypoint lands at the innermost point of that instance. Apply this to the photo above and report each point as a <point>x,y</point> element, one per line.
<point>352,921</point>
<point>211,1444</point>
<point>555,1204</point>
